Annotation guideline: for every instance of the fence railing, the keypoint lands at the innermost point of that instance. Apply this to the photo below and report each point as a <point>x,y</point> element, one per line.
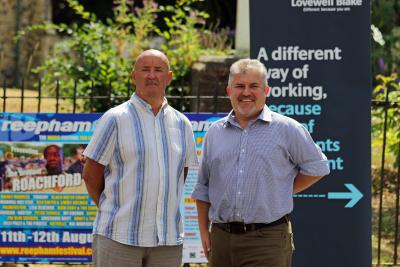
<point>385,242</point>
<point>387,221</point>
<point>59,102</point>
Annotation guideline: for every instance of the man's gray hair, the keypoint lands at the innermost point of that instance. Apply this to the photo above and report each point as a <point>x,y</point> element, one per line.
<point>243,65</point>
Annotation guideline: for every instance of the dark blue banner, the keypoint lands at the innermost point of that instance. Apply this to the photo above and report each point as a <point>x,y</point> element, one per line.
<point>317,54</point>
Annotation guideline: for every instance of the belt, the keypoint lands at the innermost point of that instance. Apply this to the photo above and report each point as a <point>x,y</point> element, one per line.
<point>241,228</point>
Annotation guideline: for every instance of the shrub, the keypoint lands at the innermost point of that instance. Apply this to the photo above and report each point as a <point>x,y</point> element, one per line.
<point>95,57</point>
<point>388,86</point>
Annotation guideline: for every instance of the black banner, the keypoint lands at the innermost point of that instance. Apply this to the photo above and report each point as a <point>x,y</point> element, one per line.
<point>317,53</point>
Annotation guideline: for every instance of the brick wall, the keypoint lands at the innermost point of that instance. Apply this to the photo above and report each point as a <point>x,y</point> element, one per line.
<point>209,76</point>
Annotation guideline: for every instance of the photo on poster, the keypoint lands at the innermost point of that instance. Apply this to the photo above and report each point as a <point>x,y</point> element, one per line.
<point>42,167</point>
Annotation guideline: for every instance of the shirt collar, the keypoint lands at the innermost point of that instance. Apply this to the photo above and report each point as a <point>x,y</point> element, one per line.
<point>265,115</point>
<point>137,99</point>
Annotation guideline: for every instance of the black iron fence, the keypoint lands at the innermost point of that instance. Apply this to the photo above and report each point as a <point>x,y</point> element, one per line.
<point>385,177</point>
<point>386,192</point>
<point>18,100</point>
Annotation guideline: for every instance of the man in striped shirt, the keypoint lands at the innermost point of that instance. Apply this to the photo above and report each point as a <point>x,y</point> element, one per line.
<point>136,163</point>
<point>253,161</point>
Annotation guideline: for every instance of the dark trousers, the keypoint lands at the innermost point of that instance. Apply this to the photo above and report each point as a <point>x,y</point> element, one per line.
<point>270,246</point>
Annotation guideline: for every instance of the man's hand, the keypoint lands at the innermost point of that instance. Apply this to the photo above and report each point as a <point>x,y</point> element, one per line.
<point>206,242</point>
<point>302,182</point>
<point>204,223</point>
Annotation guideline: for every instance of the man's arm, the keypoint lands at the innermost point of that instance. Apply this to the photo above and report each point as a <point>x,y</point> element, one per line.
<point>302,182</point>
<point>204,222</point>
<point>93,175</point>
<point>185,173</point>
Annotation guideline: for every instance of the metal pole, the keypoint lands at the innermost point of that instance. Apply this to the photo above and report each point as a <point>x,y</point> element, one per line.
<point>215,97</point>
<point>198,99</point>
<point>4,94</point>
<point>181,99</point>
<point>39,94</point>
<point>382,177</point>
<point>57,95</point>
<point>396,232</point>
<point>109,94</point>
<point>74,99</point>
<point>22,95</point>
<point>91,97</point>
<point>17,44</point>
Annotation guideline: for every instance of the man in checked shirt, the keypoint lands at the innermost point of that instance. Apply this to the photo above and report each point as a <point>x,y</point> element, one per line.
<point>253,161</point>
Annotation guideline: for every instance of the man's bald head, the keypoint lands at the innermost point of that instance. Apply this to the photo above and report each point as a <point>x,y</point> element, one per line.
<point>151,76</point>
<point>152,53</point>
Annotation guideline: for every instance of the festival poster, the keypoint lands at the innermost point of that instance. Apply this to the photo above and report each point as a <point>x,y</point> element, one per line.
<point>192,248</point>
<point>46,215</point>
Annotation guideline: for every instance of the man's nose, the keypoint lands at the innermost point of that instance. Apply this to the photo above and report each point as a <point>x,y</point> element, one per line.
<point>151,74</point>
<point>246,90</point>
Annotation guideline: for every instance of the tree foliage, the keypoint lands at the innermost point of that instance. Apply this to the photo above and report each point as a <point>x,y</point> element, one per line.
<point>95,56</point>
<point>385,35</point>
<point>389,88</point>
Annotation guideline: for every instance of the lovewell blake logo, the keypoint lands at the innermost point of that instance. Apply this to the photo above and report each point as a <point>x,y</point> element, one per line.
<point>312,3</point>
<point>320,3</point>
<point>326,5</point>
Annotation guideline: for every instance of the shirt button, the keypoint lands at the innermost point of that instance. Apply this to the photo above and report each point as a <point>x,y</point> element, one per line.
<point>241,171</point>
<point>238,214</point>
<point>242,150</point>
<point>239,193</point>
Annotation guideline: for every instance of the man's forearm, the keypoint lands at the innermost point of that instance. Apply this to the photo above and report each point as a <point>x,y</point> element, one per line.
<point>202,213</point>
<point>185,173</point>
<point>302,182</point>
<point>204,222</point>
<point>95,191</point>
<point>93,175</point>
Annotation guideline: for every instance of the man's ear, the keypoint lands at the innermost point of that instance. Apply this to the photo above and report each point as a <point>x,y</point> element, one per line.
<point>170,76</point>
<point>133,76</point>
<point>228,91</point>
<point>266,90</point>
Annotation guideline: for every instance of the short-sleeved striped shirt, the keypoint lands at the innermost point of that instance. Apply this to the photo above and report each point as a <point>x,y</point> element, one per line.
<point>247,174</point>
<point>144,157</point>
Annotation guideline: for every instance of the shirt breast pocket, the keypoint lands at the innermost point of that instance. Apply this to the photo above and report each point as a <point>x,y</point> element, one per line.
<point>275,159</point>
<point>176,142</point>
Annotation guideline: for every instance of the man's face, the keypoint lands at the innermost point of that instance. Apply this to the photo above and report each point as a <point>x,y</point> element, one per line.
<point>53,158</point>
<point>79,155</point>
<point>247,93</point>
<point>151,76</point>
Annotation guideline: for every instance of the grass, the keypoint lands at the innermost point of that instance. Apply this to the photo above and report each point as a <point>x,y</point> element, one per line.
<point>31,101</point>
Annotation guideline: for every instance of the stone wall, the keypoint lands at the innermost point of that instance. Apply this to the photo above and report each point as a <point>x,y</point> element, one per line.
<point>18,58</point>
<point>209,77</point>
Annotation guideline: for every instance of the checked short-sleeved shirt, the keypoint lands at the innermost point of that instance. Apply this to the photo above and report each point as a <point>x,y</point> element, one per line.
<point>145,156</point>
<point>247,174</point>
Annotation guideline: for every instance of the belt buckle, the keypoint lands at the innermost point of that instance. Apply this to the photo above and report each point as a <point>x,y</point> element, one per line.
<point>238,228</point>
